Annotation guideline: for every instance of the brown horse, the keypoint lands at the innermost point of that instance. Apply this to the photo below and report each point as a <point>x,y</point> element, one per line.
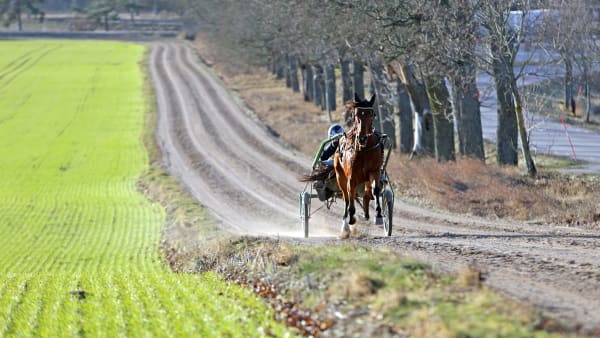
<point>358,161</point>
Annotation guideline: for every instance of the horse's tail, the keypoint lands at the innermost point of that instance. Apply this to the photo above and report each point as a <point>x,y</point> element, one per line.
<point>319,174</point>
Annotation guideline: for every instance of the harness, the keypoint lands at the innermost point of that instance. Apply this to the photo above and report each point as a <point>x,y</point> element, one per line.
<point>377,144</point>
<point>355,144</point>
<point>381,139</point>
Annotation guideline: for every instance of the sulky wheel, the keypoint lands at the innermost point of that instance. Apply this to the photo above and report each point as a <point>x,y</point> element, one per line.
<point>305,211</point>
<point>387,211</point>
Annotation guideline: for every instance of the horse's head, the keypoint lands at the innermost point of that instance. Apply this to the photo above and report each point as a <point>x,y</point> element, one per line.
<point>363,118</point>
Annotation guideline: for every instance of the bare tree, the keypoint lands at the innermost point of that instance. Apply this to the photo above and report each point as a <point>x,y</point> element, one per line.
<point>415,86</point>
<point>431,45</point>
<point>458,43</point>
<point>358,81</point>
<point>421,21</point>
<point>382,87</point>
<point>405,121</point>
<point>504,40</point>
<point>571,29</point>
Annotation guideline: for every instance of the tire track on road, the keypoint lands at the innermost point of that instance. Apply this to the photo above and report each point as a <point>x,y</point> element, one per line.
<point>248,209</point>
<point>248,132</point>
<point>222,134</point>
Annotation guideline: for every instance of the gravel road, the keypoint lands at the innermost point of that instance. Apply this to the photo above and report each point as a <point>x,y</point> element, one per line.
<point>235,167</point>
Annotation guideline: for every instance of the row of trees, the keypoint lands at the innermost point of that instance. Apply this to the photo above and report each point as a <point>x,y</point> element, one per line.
<point>422,57</point>
<point>11,11</point>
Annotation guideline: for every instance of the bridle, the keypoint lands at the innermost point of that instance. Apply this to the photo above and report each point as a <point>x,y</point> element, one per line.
<point>360,141</point>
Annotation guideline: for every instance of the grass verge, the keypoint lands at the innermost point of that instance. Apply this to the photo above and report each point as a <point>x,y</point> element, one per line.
<point>340,289</point>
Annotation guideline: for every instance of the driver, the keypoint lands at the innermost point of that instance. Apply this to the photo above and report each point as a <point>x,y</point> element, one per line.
<point>329,150</point>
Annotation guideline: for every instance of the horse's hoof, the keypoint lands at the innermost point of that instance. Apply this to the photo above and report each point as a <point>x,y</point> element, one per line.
<point>345,231</point>
<point>352,220</point>
<point>378,220</point>
<point>345,235</point>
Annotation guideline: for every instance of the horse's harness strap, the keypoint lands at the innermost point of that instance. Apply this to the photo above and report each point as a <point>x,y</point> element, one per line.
<point>378,144</point>
<point>370,109</point>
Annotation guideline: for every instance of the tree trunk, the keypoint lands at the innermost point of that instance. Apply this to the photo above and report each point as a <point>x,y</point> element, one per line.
<point>385,111</point>
<point>278,66</point>
<point>293,59</point>
<point>287,72</point>
<point>317,88</point>
<point>322,90</point>
<point>586,79</point>
<point>308,81</point>
<point>588,101</point>
<point>423,132</point>
<point>457,97</point>
<point>359,83</point>
<point>468,114</point>
<point>330,90</point>
<point>19,21</point>
<point>507,131</point>
<point>347,94</point>
<point>531,169</point>
<point>441,108</point>
<point>288,76</point>
<point>568,81</point>
<point>405,128</point>
<point>106,23</point>
<point>273,65</point>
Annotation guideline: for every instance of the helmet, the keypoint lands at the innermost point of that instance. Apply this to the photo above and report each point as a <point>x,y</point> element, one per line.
<point>335,129</point>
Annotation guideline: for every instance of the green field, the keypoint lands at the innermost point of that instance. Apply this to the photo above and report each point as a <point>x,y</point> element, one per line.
<point>79,243</point>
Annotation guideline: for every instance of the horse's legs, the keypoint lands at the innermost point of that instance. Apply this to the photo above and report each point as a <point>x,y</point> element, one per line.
<point>376,186</point>
<point>342,183</point>
<point>351,196</point>
<point>367,199</point>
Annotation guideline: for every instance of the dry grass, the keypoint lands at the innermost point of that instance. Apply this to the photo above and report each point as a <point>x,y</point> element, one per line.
<point>469,278</point>
<point>472,187</point>
<point>355,284</point>
<point>469,186</point>
<point>465,186</point>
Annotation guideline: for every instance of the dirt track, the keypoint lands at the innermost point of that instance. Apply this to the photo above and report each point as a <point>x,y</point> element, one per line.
<point>235,167</point>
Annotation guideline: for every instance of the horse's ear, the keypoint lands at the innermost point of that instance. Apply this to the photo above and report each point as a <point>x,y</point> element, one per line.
<point>372,100</point>
<point>356,98</point>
